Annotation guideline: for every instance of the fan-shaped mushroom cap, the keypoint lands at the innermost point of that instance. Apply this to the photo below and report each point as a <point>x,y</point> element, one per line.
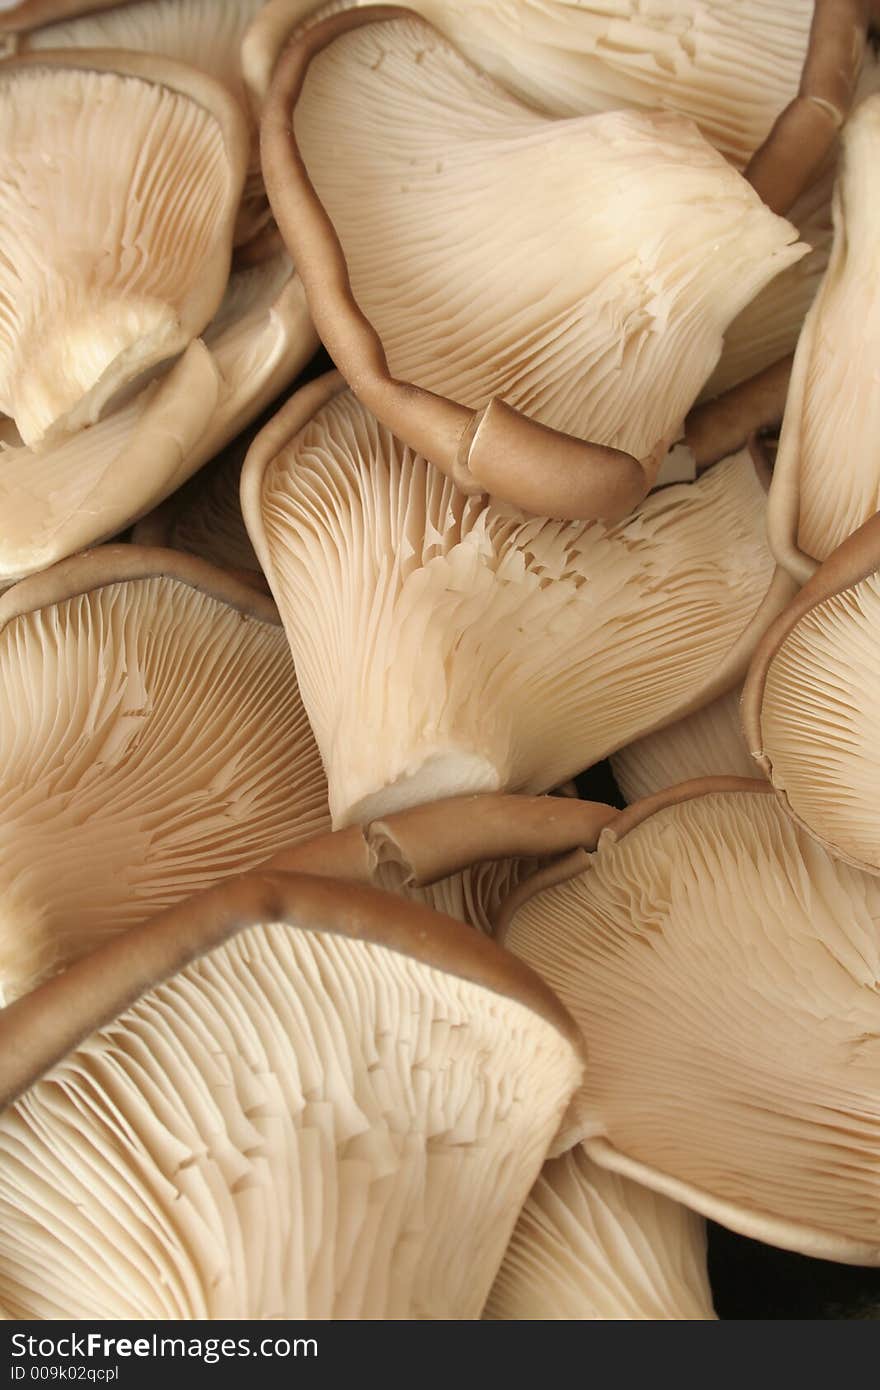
<point>826,482</point>
<point>286,1098</point>
<point>810,702</point>
<point>90,486</point>
<point>494,350</point>
<point>592,1245</point>
<point>463,856</point>
<point>447,644</point>
<point>707,743</point>
<point>206,34</point>
<point>724,970</point>
<point>110,266</point>
<point>152,741</point>
<point>730,67</point>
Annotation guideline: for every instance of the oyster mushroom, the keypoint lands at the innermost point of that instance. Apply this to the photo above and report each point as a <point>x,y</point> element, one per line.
<point>90,486</point>
<point>205,34</point>
<point>463,856</point>
<point>826,482</point>
<point>724,970</point>
<point>447,644</point>
<point>285,1098</point>
<point>591,1245</point>
<point>730,67</point>
<point>110,267</point>
<point>495,351</point>
<point>152,740</point>
<point>810,702</point>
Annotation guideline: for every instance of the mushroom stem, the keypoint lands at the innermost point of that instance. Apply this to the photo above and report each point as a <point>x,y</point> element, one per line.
<point>495,449</point>
<point>442,838</point>
<point>721,426</point>
<point>803,133</point>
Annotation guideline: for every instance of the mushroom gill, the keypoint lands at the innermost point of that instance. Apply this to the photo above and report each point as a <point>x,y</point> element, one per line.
<point>447,644</point>
<point>286,1098</point>
<point>707,743</point>
<point>810,702</point>
<point>590,1245</point>
<point>826,482</point>
<point>152,740</point>
<point>89,486</point>
<point>110,266</point>
<point>462,857</point>
<point>205,34</point>
<point>550,371</point>
<point>725,971</point>
<point>730,67</point>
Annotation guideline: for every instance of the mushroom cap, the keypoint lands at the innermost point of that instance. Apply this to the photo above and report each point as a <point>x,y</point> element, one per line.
<point>110,267</point>
<point>707,743</point>
<point>447,644</point>
<point>90,486</point>
<point>591,1245</point>
<point>724,971</point>
<point>500,329</point>
<point>730,68</point>
<point>826,481</point>
<point>153,742</point>
<point>463,856</point>
<point>284,1098</point>
<point>810,702</point>
<point>205,34</point>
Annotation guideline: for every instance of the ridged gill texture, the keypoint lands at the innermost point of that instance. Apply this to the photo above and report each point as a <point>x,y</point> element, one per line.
<point>608,328</point>
<point>725,972</point>
<point>819,720</point>
<point>153,742</point>
<point>729,65</point>
<point>590,1245</point>
<point>206,34</point>
<point>295,1126</point>
<point>446,644</point>
<point>707,743</point>
<point>829,452</point>
<point>113,196</point>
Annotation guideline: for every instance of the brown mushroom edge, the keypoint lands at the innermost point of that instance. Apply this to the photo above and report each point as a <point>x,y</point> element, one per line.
<point>441,838</point>
<point>156,530</point>
<point>40,1029</point>
<point>855,559</point>
<point>116,564</point>
<point>722,425</point>
<point>496,449</point>
<point>804,132</point>
<point>773,1230</point>
<point>282,430</point>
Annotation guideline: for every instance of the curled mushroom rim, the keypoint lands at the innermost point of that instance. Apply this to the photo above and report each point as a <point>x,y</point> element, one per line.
<point>119,564</point>
<point>856,559</point>
<point>625,821</point>
<point>38,1030</point>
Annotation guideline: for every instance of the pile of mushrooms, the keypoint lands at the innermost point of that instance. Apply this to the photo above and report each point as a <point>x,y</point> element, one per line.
<point>325,991</point>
